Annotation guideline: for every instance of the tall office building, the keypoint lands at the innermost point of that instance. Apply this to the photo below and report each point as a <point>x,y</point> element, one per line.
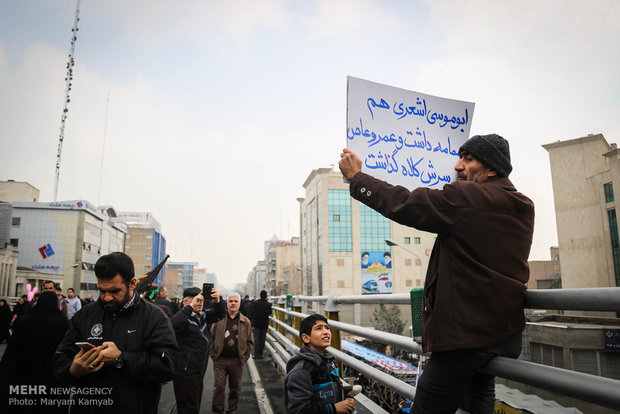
<point>343,243</point>
<point>144,243</point>
<point>584,173</point>
<point>185,275</point>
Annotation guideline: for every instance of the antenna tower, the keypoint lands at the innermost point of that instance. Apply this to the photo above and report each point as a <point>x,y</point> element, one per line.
<point>68,79</point>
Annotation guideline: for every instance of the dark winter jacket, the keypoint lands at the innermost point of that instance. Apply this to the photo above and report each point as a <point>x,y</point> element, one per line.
<point>144,335</point>
<point>29,356</point>
<point>474,290</point>
<point>312,385</point>
<point>261,311</point>
<point>193,337</point>
<point>165,302</point>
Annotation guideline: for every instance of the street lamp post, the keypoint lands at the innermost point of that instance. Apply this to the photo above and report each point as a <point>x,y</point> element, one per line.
<point>392,243</point>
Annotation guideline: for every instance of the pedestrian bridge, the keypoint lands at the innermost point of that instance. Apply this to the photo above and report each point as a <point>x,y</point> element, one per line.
<point>262,389</point>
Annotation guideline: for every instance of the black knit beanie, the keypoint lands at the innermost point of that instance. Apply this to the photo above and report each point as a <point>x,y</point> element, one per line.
<point>491,150</point>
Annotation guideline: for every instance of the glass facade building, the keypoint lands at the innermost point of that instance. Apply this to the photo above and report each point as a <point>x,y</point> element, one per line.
<point>374,230</point>
<point>339,206</point>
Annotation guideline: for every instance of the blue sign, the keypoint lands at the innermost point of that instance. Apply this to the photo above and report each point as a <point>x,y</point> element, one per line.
<point>612,339</point>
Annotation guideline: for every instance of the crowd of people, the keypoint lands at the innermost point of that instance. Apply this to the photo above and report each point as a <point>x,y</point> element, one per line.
<point>10,318</point>
<point>129,343</point>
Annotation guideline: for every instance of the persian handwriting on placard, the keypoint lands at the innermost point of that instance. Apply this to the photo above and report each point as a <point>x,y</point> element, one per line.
<point>415,139</point>
<point>371,102</point>
<point>401,110</point>
<point>411,168</point>
<point>426,144</point>
<point>382,161</point>
<point>374,137</point>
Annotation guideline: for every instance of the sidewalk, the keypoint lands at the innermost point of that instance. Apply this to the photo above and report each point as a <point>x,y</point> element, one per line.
<point>270,382</point>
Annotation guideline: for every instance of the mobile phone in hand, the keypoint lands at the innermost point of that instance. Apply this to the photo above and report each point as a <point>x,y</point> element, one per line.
<point>86,346</point>
<point>207,291</point>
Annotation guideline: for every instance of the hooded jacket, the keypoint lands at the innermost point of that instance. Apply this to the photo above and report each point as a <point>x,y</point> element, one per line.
<point>144,335</point>
<point>474,290</point>
<point>192,332</point>
<point>312,384</point>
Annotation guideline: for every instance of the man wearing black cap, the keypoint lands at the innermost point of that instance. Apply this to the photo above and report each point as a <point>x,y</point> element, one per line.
<point>475,284</point>
<point>191,326</point>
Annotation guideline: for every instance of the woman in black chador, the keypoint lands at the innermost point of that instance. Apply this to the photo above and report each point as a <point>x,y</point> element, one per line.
<point>29,355</point>
<point>6,314</point>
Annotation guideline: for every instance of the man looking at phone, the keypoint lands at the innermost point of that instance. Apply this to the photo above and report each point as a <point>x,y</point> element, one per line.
<point>191,326</point>
<point>133,344</point>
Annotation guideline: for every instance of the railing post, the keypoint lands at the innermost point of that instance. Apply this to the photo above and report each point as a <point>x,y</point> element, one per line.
<point>282,315</point>
<point>297,305</point>
<point>417,296</point>
<point>331,313</point>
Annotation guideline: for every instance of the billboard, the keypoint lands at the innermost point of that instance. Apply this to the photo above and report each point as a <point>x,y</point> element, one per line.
<point>376,272</point>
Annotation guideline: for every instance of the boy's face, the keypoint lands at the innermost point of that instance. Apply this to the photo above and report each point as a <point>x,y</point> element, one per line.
<point>320,337</point>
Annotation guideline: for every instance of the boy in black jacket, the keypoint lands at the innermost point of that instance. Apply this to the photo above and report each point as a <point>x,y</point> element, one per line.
<point>312,384</point>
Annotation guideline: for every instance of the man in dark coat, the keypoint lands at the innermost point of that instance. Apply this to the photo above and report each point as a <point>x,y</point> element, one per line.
<point>191,326</point>
<point>475,284</point>
<point>261,310</point>
<point>162,300</point>
<point>132,345</point>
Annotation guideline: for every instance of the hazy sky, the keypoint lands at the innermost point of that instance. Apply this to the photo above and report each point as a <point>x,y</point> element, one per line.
<point>219,110</point>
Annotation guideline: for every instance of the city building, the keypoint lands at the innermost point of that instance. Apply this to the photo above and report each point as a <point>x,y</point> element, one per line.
<point>212,278</point>
<point>8,271</point>
<point>144,242</point>
<point>184,277</point>
<point>60,241</point>
<point>200,276</point>
<point>343,244</point>
<point>283,268</point>
<point>545,274</point>
<point>584,173</point>
<point>174,281</point>
<point>11,191</point>
<point>256,279</point>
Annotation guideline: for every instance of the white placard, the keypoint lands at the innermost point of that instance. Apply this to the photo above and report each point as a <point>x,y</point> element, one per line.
<point>403,137</point>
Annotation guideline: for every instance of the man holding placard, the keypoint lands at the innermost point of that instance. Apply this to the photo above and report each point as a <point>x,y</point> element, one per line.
<point>475,284</point>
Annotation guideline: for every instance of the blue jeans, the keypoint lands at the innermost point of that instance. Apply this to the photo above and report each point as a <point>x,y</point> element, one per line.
<point>259,341</point>
<point>452,377</point>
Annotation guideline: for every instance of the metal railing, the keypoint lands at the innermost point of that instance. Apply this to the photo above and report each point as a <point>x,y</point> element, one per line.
<point>591,388</point>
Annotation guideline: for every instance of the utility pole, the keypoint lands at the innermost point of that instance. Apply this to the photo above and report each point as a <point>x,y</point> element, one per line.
<point>68,79</point>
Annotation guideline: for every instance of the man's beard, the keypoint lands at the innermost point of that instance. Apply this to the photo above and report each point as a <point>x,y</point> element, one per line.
<point>115,306</point>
